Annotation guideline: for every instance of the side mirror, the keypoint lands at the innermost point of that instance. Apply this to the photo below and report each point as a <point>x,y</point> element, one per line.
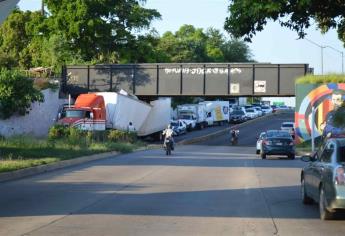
<point>307,158</point>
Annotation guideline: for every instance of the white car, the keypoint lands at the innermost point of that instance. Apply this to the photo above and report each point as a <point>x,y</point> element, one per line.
<point>288,126</point>
<point>251,113</point>
<point>258,110</point>
<point>266,109</point>
<point>258,142</point>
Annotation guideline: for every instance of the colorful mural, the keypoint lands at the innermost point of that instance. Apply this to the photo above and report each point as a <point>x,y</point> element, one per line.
<point>325,98</point>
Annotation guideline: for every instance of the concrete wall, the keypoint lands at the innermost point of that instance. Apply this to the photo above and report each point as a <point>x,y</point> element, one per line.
<point>38,121</point>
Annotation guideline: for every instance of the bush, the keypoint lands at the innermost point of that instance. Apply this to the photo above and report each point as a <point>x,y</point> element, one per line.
<point>16,94</point>
<point>122,136</point>
<point>317,79</point>
<point>56,132</point>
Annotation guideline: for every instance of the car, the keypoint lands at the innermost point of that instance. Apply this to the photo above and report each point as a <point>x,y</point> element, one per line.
<point>266,109</point>
<point>251,113</point>
<point>323,179</point>
<point>237,116</point>
<point>258,110</point>
<point>277,142</point>
<point>179,127</point>
<point>288,126</point>
<point>259,141</point>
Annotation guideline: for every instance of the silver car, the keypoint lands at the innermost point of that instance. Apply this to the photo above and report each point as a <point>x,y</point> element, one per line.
<point>323,179</point>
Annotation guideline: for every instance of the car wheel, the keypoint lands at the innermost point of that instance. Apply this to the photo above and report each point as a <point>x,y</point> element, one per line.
<point>257,151</point>
<point>263,155</point>
<point>291,156</point>
<point>324,213</point>
<point>305,198</point>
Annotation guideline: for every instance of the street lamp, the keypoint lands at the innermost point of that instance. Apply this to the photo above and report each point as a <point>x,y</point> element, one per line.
<point>320,46</point>
<point>342,57</point>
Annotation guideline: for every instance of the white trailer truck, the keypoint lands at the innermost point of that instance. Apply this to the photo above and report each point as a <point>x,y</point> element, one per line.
<point>193,114</point>
<point>217,112</point>
<point>157,120</point>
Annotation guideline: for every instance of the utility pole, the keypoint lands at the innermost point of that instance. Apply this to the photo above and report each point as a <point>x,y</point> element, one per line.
<point>42,7</point>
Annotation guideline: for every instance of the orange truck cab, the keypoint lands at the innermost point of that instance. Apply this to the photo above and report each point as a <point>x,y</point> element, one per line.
<point>88,113</point>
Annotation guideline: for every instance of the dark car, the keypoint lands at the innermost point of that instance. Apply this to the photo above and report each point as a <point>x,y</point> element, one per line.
<point>323,179</point>
<point>237,116</point>
<point>277,142</point>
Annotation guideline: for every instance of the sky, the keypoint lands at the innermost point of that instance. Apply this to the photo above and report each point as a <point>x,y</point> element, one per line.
<point>275,44</point>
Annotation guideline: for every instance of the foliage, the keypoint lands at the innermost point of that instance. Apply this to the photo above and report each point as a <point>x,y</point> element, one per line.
<point>23,152</point>
<point>310,79</point>
<point>190,44</point>
<point>16,94</point>
<point>121,136</point>
<point>249,16</point>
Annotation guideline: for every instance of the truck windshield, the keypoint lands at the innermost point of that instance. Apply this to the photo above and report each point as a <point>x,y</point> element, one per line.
<point>75,114</point>
<point>185,117</point>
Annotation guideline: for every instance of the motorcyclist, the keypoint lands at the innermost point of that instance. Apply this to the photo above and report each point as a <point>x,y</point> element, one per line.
<point>168,133</point>
<point>234,135</point>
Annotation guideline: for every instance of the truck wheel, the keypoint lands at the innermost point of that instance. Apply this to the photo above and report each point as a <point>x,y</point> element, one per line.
<point>305,198</point>
<point>257,151</point>
<point>263,155</point>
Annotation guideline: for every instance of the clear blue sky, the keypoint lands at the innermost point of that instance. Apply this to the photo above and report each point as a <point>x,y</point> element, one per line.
<point>274,44</point>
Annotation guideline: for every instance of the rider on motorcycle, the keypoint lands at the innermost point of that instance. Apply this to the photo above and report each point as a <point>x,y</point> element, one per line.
<point>168,133</point>
<point>234,135</point>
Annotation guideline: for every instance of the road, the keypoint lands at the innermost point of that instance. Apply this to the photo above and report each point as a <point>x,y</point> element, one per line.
<point>199,190</point>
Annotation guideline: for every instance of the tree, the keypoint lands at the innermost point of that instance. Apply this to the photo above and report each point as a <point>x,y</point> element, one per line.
<point>17,93</point>
<point>189,44</point>
<point>99,27</point>
<point>249,16</point>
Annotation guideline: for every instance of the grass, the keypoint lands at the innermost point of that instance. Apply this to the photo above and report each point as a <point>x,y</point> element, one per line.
<point>23,152</point>
<point>321,79</point>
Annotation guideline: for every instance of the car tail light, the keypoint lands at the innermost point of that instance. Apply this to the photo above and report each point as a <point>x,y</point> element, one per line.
<point>340,176</point>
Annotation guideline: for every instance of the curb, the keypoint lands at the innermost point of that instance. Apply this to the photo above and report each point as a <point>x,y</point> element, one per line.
<point>18,174</point>
<point>221,132</point>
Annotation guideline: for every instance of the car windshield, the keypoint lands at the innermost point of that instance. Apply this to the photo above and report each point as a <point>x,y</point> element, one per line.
<point>238,113</point>
<point>185,117</point>
<point>278,134</point>
<point>174,124</point>
<point>250,110</point>
<point>264,107</point>
<point>287,125</point>
<point>75,114</point>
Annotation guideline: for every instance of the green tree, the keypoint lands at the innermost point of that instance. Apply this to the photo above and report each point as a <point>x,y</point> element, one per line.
<point>99,27</point>
<point>16,94</point>
<point>249,16</point>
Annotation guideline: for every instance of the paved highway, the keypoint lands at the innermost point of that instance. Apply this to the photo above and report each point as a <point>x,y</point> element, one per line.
<point>199,190</point>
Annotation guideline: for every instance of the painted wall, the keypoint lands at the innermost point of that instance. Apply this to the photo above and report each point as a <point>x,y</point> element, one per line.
<point>38,121</point>
<point>325,98</point>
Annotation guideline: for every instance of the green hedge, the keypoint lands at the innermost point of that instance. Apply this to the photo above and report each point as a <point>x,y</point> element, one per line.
<point>321,79</point>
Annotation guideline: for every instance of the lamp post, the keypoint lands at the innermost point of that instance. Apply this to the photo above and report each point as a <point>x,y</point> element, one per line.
<point>321,47</point>
<point>342,57</point>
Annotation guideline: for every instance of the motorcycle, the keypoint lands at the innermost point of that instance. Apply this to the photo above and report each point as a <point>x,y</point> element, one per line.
<point>234,136</point>
<point>168,145</point>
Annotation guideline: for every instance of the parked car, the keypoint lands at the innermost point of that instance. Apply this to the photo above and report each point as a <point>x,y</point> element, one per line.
<point>323,179</point>
<point>237,116</point>
<point>277,142</point>
<point>259,142</point>
<point>289,127</point>
<point>274,108</point>
<point>266,109</point>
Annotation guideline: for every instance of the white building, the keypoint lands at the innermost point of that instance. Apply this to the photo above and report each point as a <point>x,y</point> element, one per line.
<point>288,101</point>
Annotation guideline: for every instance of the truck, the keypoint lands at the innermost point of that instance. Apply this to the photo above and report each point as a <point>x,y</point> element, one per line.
<point>193,114</point>
<point>217,112</point>
<point>110,110</point>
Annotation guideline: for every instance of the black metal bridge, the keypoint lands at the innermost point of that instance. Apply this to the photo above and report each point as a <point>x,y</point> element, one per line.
<point>185,79</point>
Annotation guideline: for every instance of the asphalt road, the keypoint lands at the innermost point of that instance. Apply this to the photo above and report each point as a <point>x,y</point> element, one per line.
<point>252,129</point>
<point>199,190</point>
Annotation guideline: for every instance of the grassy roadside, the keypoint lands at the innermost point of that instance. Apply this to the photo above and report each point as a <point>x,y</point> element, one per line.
<point>23,152</point>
